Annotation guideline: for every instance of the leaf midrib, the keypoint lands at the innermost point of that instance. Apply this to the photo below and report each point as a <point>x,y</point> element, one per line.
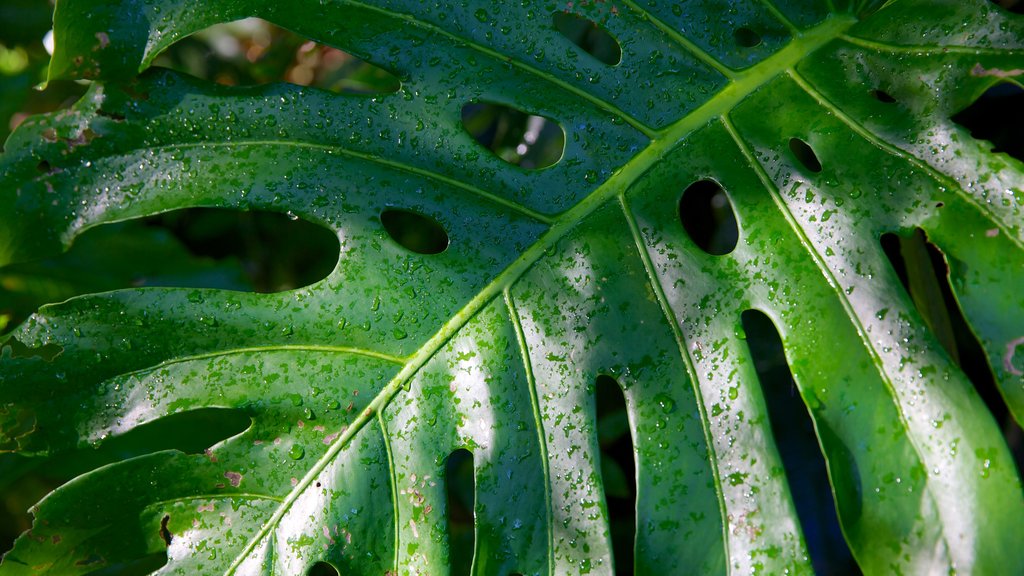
<point>664,141</point>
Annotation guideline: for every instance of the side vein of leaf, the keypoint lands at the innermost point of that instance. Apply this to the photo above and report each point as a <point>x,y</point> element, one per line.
<point>538,422</point>
<point>275,348</point>
<point>402,167</point>
<point>513,62</point>
<point>921,49</point>
<point>874,139</point>
<point>221,496</point>
<point>685,42</point>
<point>747,82</point>
<point>855,321</point>
<point>684,354</point>
<point>770,6</point>
<point>393,481</point>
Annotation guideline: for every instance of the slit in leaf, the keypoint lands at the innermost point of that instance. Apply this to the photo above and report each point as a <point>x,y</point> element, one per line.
<point>804,154</point>
<point>924,272</point>
<point>322,569</point>
<point>746,37</point>
<point>253,51</point>
<point>996,117</point>
<point>461,490</point>
<point>142,566</point>
<point>793,431</point>
<point>589,36</point>
<point>618,471</point>
<point>20,350</point>
<point>526,140</point>
<point>414,231</point>
<point>192,432</point>
<point>707,216</point>
<point>253,251</point>
<point>165,533</point>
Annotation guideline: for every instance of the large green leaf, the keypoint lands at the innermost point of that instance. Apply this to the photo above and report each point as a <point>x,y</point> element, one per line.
<point>359,386</point>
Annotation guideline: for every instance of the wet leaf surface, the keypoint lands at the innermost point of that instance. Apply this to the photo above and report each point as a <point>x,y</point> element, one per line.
<point>823,128</point>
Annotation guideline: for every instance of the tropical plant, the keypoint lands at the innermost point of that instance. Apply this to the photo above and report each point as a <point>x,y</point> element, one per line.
<point>480,309</point>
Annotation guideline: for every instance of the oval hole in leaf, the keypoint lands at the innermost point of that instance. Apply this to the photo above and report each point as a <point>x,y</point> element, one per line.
<point>707,216</point>
<point>526,140</point>
<point>253,51</point>
<point>618,471</point>
<point>746,37</point>
<point>248,251</point>
<point>322,569</point>
<point>278,252</point>
<point>793,431</point>
<point>805,154</point>
<point>996,117</point>
<point>883,96</point>
<point>924,273</point>
<point>460,486</point>
<point>414,231</point>
<point>589,36</point>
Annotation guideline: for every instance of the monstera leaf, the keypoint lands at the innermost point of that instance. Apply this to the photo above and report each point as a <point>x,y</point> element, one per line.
<point>826,124</point>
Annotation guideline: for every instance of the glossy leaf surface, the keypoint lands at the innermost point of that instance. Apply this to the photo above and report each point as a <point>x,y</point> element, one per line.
<point>360,386</point>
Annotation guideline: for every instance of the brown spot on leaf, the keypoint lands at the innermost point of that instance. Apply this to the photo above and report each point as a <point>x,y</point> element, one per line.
<point>103,39</point>
<point>234,478</point>
<point>81,139</point>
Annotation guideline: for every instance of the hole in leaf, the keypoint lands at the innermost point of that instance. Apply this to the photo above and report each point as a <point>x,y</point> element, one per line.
<point>804,154</point>
<point>461,490</point>
<point>197,247</point>
<point>1015,6</point>
<point>618,472</point>
<point>414,231</point>
<point>883,96</point>
<point>589,36</point>
<point>996,116</point>
<point>253,51</point>
<point>708,218</point>
<point>746,37</point>
<point>277,251</point>
<point>165,533</point>
<point>793,431</point>
<point>526,140</point>
<point>322,569</point>
<point>924,272</point>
